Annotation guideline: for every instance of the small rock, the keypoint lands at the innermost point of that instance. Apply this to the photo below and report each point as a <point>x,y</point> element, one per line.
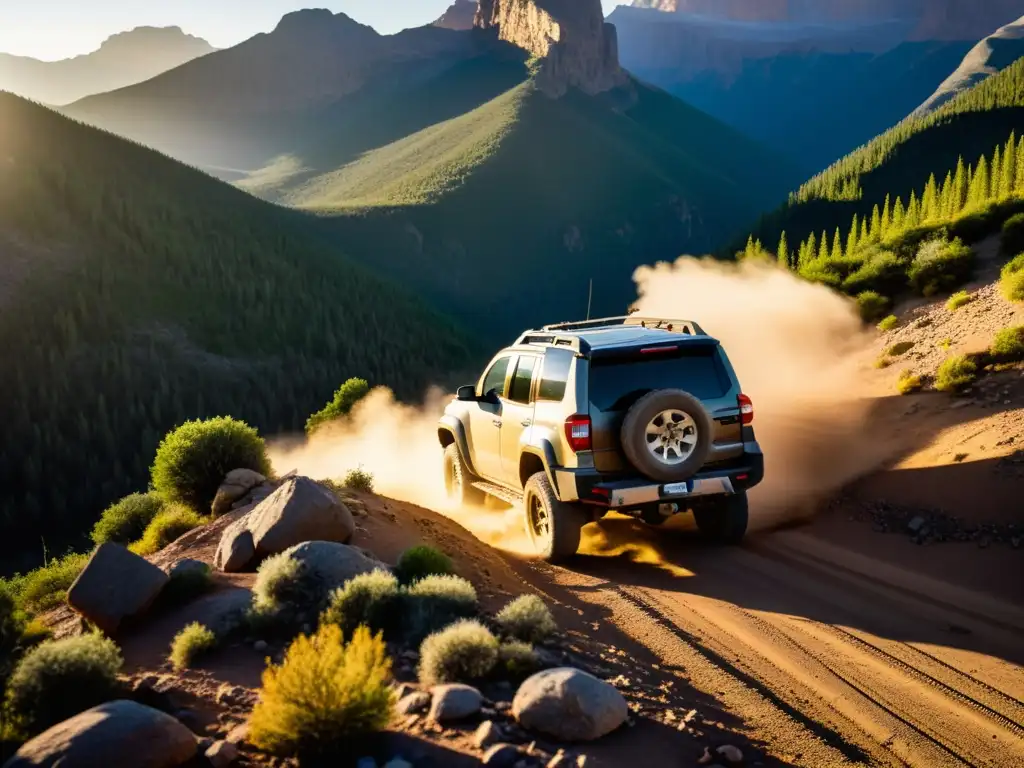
<point>236,549</point>
<point>222,754</point>
<point>730,753</point>
<point>915,524</point>
<point>415,703</point>
<point>501,756</point>
<point>188,567</point>
<point>237,483</point>
<point>454,702</point>
<point>560,760</point>
<point>581,761</point>
<point>487,734</point>
<point>238,735</point>
<point>260,646</point>
<point>570,705</point>
<point>403,689</point>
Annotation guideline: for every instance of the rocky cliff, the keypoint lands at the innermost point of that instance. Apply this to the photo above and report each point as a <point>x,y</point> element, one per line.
<point>460,15</point>
<point>574,45</point>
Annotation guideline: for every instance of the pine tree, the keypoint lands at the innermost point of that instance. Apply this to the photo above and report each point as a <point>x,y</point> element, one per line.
<point>749,250</point>
<point>823,248</point>
<point>863,231</point>
<point>960,185</point>
<point>886,217</point>
<point>978,195</point>
<point>1018,186</point>
<point>783,251</point>
<point>851,239</point>
<point>946,197</point>
<point>875,232</point>
<point>1008,180</point>
<point>995,190</point>
<point>837,246</point>
<point>930,200</point>
<point>812,247</point>
<point>913,212</point>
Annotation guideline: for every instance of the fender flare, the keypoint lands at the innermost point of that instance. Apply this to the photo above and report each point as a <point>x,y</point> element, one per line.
<point>456,430</point>
<point>544,451</point>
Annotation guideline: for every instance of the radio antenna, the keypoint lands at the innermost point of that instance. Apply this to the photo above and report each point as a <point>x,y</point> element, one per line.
<point>590,297</point>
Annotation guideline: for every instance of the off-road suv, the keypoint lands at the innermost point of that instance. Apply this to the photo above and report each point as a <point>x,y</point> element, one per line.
<point>642,416</point>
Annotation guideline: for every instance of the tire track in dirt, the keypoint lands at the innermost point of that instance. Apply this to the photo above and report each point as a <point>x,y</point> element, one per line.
<point>823,666</point>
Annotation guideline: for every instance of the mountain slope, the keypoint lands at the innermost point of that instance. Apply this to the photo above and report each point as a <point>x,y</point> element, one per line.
<point>123,59</point>
<point>991,55</point>
<point>136,293</point>
<point>974,124</point>
<point>459,154</point>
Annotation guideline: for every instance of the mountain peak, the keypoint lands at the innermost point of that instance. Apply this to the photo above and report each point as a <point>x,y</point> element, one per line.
<point>460,15</point>
<point>570,37</point>
<point>317,20</point>
<point>140,37</point>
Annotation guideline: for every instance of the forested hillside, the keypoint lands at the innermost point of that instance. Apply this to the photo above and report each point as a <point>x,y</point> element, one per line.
<point>901,161</point>
<point>136,293</point>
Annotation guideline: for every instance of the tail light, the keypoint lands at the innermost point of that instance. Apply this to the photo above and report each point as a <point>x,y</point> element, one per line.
<point>746,409</point>
<point>577,432</point>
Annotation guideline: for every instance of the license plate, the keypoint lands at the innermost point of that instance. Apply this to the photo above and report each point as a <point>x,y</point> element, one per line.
<point>677,489</point>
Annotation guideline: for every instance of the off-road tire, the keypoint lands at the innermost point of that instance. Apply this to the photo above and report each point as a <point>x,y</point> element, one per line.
<point>634,435</point>
<point>458,479</point>
<point>723,522</point>
<point>565,521</point>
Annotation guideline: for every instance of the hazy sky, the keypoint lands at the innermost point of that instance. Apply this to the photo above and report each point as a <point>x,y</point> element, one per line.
<point>57,29</point>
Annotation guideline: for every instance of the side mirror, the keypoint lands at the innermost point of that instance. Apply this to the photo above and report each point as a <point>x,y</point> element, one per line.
<point>466,394</point>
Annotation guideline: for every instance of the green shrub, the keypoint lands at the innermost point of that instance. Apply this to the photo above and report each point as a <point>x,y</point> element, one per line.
<point>185,586</point>
<point>526,618</point>
<point>191,643</point>
<point>899,348</point>
<point>517,661</point>
<point>370,599</point>
<point>906,244</point>
<point>1012,279</point>
<point>421,561</point>
<point>908,382</point>
<point>1008,345</point>
<point>125,521</point>
<point>61,678</point>
<point>278,584</point>
<point>1012,240</point>
<point>192,461</point>
<point>463,653</point>
<point>883,362</point>
<point>940,266</point>
<point>172,522</point>
<point>324,696</point>
<point>959,299</point>
<point>872,306</point>
<point>975,227</point>
<point>344,400</point>
<point>12,626</point>
<point>434,602</point>
<point>955,374</point>
<point>821,272</point>
<point>888,323</point>
<point>358,480</point>
<point>884,273</point>
<point>47,587</point>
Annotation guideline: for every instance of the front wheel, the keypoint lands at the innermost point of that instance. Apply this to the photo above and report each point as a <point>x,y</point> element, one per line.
<point>725,521</point>
<point>553,526</point>
<point>457,480</point>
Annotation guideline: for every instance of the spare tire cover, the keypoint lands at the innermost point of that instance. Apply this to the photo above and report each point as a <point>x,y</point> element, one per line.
<point>667,434</point>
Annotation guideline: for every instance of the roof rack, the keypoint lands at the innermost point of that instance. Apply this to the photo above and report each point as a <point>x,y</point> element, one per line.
<point>688,327</point>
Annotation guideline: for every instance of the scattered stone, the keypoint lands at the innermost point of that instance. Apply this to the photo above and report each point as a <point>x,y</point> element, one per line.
<point>501,756</point>
<point>730,753</point>
<point>231,695</point>
<point>560,760</point>
<point>222,754</point>
<point>454,702</point>
<point>260,646</point>
<point>237,483</point>
<point>569,704</point>
<point>236,549</point>
<point>188,567</point>
<point>403,689</point>
<point>115,585</point>
<point>300,510</point>
<point>119,733</point>
<point>238,735</point>
<point>487,734</point>
<point>915,524</point>
<point>415,703</point>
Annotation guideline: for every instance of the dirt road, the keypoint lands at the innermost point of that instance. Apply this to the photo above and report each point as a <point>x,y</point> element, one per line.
<point>821,656</point>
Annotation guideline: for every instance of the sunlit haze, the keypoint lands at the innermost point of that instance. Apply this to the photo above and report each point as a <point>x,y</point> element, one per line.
<point>58,29</point>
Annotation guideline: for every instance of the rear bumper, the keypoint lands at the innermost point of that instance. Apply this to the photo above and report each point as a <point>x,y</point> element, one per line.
<point>592,487</point>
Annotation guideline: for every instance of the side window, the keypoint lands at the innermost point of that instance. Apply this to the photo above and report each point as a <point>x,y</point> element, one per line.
<point>519,392</point>
<point>495,378</point>
<point>555,374</point>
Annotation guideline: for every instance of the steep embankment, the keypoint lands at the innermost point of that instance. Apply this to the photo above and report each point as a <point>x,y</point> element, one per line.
<point>136,293</point>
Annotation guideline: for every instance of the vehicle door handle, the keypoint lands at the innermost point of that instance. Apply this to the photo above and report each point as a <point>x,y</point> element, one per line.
<point>496,422</point>
<point>527,423</point>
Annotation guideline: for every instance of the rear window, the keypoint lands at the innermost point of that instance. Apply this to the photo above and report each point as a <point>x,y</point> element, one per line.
<point>615,383</point>
<point>555,374</point>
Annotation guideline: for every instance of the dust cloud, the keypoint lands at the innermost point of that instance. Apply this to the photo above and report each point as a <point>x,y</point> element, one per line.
<point>799,350</point>
<point>396,443</point>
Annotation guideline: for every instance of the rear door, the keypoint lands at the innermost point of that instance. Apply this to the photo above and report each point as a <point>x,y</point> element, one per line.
<point>517,415</point>
<point>618,379</point>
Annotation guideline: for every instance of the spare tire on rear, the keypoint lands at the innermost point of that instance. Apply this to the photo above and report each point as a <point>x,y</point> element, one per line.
<point>667,435</point>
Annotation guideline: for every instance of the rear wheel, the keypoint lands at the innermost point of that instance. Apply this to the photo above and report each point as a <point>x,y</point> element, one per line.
<point>553,526</point>
<point>725,521</point>
<point>458,480</point>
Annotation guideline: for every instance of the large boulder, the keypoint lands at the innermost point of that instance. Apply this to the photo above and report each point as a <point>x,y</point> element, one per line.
<point>237,484</point>
<point>115,585</point>
<point>569,704</point>
<point>326,565</point>
<point>236,549</point>
<point>118,733</point>
<point>300,510</point>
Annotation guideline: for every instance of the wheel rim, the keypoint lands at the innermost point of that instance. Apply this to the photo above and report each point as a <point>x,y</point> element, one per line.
<point>672,436</point>
<point>537,518</point>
